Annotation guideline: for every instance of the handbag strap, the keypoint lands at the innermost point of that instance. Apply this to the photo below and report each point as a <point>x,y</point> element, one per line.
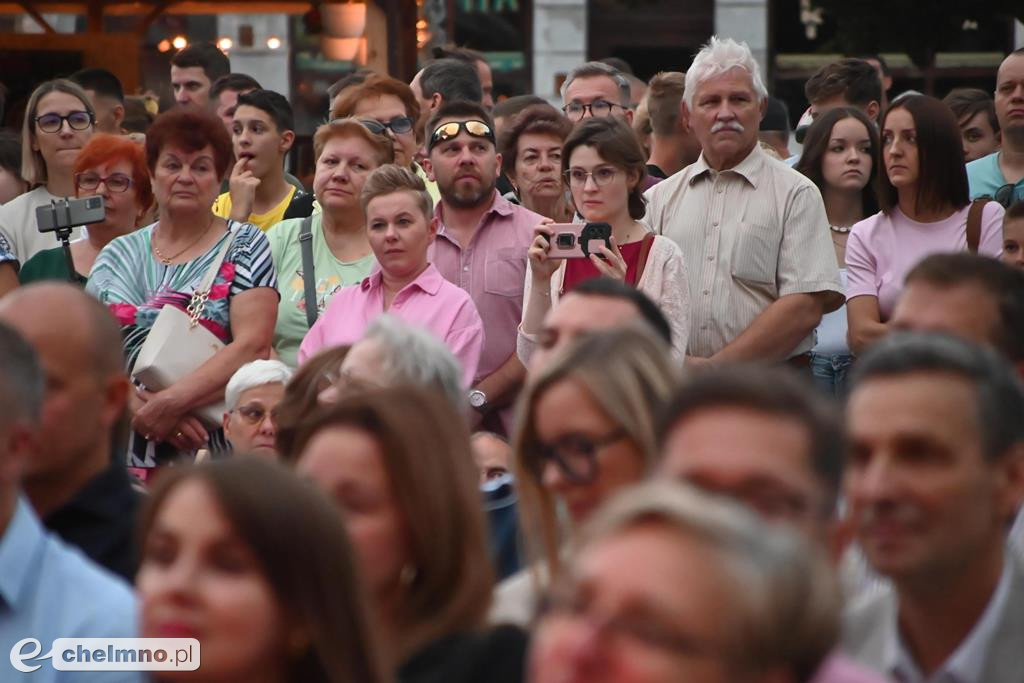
<point>645,251</point>
<point>308,272</point>
<point>974,223</point>
<point>202,292</point>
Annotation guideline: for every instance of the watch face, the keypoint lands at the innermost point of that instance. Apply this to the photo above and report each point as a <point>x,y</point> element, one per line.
<point>477,398</point>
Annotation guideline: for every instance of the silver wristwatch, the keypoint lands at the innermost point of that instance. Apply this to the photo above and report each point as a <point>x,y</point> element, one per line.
<point>477,400</point>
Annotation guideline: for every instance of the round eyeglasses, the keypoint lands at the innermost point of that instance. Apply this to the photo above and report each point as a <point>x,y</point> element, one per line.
<point>575,111</point>
<point>77,120</point>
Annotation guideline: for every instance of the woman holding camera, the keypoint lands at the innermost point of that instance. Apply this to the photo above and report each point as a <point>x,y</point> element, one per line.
<point>605,168</point>
<point>112,167</point>
<point>188,152</point>
<point>59,120</point>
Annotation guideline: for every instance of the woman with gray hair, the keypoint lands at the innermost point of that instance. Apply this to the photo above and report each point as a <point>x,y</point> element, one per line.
<point>585,431</point>
<point>669,584</point>
<point>252,396</point>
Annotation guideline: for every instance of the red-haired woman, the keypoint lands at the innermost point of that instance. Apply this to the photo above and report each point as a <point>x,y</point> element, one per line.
<point>112,167</point>
<point>188,152</point>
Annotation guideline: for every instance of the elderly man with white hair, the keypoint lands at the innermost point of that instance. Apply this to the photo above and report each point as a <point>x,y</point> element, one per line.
<point>754,233</point>
<point>252,396</point>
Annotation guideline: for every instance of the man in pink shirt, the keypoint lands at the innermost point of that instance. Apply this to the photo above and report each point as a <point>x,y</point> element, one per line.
<point>481,246</point>
<point>406,284</point>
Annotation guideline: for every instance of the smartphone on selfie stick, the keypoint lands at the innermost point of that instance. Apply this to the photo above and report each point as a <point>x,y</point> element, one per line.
<point>578,240</point>
<point>61,216</point>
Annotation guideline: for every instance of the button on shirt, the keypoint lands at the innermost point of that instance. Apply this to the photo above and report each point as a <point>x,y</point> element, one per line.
<point>492,268</point>
<point>49,590</point>
<point>749,236</point>
<point>967,662</point>
<point>429,302</point>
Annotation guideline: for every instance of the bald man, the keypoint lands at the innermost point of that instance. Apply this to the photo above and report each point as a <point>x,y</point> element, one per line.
<point>77,484</point>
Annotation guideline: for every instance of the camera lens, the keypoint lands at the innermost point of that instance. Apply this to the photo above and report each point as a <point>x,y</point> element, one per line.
<point>565,240</point>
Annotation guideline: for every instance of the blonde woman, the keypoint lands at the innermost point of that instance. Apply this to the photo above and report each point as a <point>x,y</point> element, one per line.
<point>586,430</point>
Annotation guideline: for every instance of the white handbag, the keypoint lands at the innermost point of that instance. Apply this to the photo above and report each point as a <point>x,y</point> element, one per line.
<point>177,344</point>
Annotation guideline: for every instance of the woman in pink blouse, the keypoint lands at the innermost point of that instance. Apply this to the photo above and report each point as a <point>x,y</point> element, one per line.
<point>924,199</point>
<point>406,285</point>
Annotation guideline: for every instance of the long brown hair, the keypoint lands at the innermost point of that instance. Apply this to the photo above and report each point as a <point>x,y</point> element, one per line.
<point>299,540</point>
<point>816,144</point>
<point>942,170</point>
<point>426,453</point>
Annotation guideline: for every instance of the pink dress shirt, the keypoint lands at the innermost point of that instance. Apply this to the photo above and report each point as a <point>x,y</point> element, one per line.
<point>429,302</point>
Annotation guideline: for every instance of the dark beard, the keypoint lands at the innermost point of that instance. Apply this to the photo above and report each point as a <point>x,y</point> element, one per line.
<point>467,201</point>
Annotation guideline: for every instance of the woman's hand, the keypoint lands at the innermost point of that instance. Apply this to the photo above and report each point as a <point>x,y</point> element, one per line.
<point>542,267</point>
<point>189,434</point>
<point>242,186</point>
<point>157,415</point>
<point>612,265</point>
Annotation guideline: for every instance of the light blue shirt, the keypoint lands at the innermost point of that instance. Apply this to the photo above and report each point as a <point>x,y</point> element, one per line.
<point>49,590</point>
<point>985,177</point>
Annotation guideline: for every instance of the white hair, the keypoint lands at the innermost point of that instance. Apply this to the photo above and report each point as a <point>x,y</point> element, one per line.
<point>410,355</point>
<point>718,57</point>
<point>252,375</point>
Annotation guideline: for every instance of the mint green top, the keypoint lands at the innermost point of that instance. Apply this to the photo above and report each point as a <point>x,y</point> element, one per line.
<point>331,276</point>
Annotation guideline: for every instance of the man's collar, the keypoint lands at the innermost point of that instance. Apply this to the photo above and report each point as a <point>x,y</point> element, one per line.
<point>749,168</point>
<point>19,546</point>
<point>499,205</point>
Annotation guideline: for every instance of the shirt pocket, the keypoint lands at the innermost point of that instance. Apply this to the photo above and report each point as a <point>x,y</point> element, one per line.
<point>505,272</point>
<point>755,255</point>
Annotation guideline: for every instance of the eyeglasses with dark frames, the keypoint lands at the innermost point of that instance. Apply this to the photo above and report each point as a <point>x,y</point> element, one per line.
<point>598,108</point>
<point>575,455</point>
<point>77,120</point>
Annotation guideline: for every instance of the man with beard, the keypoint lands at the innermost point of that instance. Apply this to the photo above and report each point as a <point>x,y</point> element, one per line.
<point>481,246</point>
<point>935,472</point>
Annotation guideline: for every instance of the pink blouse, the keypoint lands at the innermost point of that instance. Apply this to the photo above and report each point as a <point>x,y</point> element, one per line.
<point>429,302</point>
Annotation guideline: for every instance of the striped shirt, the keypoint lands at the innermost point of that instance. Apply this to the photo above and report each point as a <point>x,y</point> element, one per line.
<point>749,235</point>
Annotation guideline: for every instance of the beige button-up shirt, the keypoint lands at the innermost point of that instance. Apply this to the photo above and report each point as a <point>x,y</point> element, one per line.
<point>749,235</point>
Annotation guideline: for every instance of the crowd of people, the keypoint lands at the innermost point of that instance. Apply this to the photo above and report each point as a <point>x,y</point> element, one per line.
<point>623,390</point>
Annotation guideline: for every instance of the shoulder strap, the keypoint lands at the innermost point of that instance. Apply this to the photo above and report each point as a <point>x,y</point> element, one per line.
<point>645,251</point>
<point>308,274</point>
<point>974,223</point>
<point>211,272</point>
<point>301,205</point>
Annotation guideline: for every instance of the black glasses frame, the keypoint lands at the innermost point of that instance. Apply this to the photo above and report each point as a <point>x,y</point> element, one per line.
<point>589,107</point>
<point>92,121</point>
<point>585,446</point>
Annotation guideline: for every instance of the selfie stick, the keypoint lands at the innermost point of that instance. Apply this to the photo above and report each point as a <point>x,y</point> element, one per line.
<point>64,234</point>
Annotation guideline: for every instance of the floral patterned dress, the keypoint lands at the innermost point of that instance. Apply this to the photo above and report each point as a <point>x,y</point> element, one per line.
<point>135,286</point>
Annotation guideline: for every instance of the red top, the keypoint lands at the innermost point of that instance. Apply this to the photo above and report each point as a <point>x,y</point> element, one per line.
<point>579,269</point>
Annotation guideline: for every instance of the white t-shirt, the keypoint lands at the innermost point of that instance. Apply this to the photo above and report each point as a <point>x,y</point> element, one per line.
<point>18,224</point>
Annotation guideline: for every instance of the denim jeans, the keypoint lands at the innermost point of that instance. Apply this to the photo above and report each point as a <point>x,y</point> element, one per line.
<point>830,371</point>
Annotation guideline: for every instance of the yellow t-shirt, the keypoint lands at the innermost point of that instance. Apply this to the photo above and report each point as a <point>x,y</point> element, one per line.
<point>263,221</point>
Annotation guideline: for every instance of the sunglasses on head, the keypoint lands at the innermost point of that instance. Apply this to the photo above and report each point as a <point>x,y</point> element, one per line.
<point>450,131</point>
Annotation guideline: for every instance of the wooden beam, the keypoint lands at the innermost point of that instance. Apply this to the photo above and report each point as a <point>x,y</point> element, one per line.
<point>32,12</point>
<point>151,16</point>
<point>94,17</point>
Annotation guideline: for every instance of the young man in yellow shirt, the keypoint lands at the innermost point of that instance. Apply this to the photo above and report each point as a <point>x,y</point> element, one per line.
<point>262,133</point>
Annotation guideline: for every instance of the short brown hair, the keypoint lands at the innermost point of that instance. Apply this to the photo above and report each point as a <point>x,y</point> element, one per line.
<point>540,119</point>
<point>1014,212</point>
<point>855,80</point>
<point>33,166</point>
<point>966,103</point>
<point>664,99</point>
<point>192,129</point>
<point>942,170</point>
<point>391,178</point>
<point>616,142</point>
<point>310,566</point>
<point>425,450</point>
<point>376,85</point>
<point>350,127</point>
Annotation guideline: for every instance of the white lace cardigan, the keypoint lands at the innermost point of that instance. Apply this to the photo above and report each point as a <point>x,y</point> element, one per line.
<point>664,280</point>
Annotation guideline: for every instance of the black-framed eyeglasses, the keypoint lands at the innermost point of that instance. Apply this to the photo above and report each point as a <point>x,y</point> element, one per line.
<point>450,131</point>
<point>1005,195</point>
<point>575,455</point>
<point>398,125</point>
<point>115,182</point>
<point>77,120</point>
<point>598,108</point>
<point>255,414</point>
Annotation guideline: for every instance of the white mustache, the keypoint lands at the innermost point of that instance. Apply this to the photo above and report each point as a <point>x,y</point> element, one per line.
<point>728,125</point>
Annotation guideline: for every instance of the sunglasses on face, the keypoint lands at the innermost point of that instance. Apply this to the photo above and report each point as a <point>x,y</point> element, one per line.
<point>398,125</point>
<point>77,120</point>
<point>450,131</point>
<point>115,182</point>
